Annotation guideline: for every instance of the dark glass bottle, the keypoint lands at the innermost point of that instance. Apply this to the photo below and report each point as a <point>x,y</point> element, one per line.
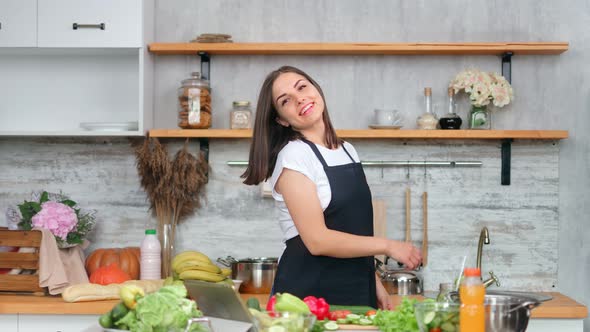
<point>451,120</point>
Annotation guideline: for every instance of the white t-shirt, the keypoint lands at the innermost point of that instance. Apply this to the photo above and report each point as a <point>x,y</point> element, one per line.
<point>299,156</point>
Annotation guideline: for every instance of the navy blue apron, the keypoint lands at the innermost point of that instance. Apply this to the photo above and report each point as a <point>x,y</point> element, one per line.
<point>345,281</point>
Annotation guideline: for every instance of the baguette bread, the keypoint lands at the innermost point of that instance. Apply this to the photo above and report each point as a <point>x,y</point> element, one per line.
<point>95,292</point>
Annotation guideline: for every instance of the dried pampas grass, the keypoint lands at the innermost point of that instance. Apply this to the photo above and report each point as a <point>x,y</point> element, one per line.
<point>174,187</point>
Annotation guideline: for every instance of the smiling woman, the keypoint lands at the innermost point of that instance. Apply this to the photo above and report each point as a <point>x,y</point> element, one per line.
<point>322,195</point>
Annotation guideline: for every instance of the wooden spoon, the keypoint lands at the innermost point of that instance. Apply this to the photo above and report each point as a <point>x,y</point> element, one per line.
<point>425,230</point>
<point>408,219</point>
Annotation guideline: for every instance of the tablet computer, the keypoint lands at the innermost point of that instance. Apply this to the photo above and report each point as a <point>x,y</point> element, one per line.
<point>219,300</point>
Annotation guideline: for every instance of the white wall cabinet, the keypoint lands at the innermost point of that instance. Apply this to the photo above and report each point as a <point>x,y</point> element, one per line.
<point>18,23</point>
<point>99,23</point>
<point>84,82</point>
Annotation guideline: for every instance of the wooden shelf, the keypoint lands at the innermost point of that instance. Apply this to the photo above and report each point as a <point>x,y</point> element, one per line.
<point>378,133</point>
<point>544,48</point>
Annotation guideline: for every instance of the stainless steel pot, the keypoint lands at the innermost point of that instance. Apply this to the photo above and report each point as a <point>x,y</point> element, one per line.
<point>257,274</point>
<point>400,281</point>
<point>508,311</point>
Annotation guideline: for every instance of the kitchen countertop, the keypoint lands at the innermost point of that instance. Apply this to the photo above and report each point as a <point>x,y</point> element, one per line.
<point>560,306</point>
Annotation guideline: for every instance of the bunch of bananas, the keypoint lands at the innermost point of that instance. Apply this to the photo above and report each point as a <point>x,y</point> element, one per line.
<point>191,265</point>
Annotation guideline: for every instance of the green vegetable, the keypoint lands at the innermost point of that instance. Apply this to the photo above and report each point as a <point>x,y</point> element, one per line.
<point>365,321</point>
<point>290,303</point>
<point>331,326</point>
<point>354,309</point>
<point>130,294</point>
<point>429,317</point>
<point>119,311</point>
<point>165,310</point>
<point>105,320</point>
<point>253,303</point>
<point>128,322</point>
<point>402,319</point>
<point>448,327</point>
<point>342,321</point>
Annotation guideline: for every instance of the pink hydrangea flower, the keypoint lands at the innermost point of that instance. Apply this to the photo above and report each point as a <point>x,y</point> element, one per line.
<point>58,218</point>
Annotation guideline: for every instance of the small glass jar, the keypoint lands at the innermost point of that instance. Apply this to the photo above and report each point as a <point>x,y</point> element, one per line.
<point>241,115</point>
<point>194,103</point>
<point>428,119</point>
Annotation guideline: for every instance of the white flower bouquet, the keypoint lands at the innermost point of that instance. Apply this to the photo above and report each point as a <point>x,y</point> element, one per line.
<point>483,87</point>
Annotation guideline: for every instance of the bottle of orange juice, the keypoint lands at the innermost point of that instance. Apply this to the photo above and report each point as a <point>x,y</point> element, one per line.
<point>472,294</point>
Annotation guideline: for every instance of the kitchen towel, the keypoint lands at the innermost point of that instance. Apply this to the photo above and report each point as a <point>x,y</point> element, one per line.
<point>60,268</point>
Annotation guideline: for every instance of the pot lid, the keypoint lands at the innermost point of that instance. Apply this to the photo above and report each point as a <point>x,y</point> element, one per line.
<point>400,275</point>
<point>259,260</point>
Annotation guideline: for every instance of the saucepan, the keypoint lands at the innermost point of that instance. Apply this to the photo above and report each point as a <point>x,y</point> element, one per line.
<point>399,281</point>
<point>257,274</point>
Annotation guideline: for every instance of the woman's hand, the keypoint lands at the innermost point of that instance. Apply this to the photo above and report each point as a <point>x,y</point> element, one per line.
<point>405,253</point>
<point>383,299</point>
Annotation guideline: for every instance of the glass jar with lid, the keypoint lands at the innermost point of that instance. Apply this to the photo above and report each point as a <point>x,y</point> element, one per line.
<point>241,115</point>
<point>194,103</point>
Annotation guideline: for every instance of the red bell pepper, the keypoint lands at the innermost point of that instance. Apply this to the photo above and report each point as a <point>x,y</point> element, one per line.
<point>318,306</point>
<point>270,305</point>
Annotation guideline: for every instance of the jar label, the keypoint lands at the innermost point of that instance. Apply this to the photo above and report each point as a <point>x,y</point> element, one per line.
<point>194,106</point>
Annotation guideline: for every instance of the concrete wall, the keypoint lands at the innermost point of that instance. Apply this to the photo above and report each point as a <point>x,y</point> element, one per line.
<point>537,225</point>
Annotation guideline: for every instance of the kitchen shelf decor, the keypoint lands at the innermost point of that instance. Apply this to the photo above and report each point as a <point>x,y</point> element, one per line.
<point>378,134</point>
<point>506,50</point>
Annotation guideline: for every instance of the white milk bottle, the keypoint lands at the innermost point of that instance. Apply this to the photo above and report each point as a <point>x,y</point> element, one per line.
<point>151,261</point>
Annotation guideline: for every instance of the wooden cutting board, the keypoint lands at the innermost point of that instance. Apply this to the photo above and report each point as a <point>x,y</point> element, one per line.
<point>348,327</point>
<point>379,221</point>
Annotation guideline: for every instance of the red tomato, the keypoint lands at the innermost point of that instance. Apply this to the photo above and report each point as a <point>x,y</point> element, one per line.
<point>371,313</point>
<point>336,314</point>
<point>435,329</point>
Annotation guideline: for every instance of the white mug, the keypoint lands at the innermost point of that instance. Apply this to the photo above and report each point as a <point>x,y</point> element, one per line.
<point>386,117</point>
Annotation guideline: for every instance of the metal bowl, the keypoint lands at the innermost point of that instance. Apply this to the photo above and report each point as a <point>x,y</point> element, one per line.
<point>257,274</point>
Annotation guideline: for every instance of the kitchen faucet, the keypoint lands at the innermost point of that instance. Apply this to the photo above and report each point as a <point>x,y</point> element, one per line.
<point>484,238</point>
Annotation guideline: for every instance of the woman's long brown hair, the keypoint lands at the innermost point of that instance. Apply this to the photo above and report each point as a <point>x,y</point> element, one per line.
<point>270,137</point>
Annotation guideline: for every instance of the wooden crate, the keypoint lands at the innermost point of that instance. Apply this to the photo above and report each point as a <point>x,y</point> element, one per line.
<point>19,260</point>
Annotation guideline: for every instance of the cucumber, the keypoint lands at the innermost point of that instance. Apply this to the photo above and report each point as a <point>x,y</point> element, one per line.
<point>353,316</point>
<point>365,321</point>
<point>277,328</point>
<point>253,303</point>
<point>105,320</point>
<point>331,326</point>
<point>429,316</point>
<point>448,327</point>
<point>342,321</point>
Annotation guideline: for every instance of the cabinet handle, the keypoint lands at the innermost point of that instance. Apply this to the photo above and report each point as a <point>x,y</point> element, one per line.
<point>77,26</point>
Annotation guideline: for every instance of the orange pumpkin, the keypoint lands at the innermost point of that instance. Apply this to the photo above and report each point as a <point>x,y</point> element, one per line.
<point>126,258</point>
<point>110,274</point>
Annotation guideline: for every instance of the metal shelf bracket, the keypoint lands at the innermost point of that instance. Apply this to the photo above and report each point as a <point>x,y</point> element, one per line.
<point>204,147</point>
<point>205,65</point>
<point>506,157</point>
<point>507,66</point>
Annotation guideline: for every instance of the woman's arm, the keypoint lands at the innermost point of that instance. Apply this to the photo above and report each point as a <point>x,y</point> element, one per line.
<point>301,198</point>
<point>383,299</point>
